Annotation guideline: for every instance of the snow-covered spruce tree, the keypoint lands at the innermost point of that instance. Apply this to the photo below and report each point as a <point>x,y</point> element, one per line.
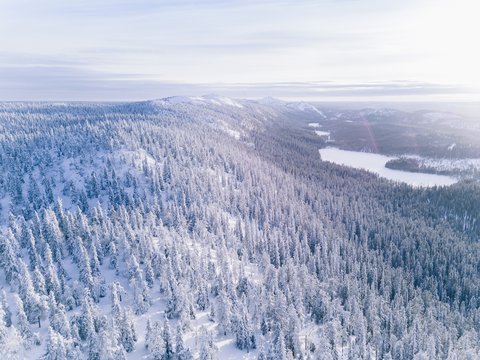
<point>208,349</point>
<point>56,346</point>
<point>58,319</point>
<point>168,352</point>
<point>128,335</point>
<point>22,323</point>
<point>140,295</point>
<point>11,342</point>
<point>154,341</point>
<point>224,313</point>
<point>181,351</point>
<point>33,304</point>
<point>3,325</point>
<point>109,346</point>
<point>7,314</point>
<point>86,319</point>
<point>148,333</point>
<point>51,275</point>
<point>8,259</point>
<point>243,330</point>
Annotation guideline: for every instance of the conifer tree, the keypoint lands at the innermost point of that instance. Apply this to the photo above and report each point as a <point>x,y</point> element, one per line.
<point>56,346</point>
<point>23,324</point>
<point>181,351</point>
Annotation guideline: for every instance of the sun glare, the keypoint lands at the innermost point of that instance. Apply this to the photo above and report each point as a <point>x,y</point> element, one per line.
<point>446,32</point>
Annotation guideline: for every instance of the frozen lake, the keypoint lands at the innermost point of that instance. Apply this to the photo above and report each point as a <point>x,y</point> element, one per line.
<point>376,164</point>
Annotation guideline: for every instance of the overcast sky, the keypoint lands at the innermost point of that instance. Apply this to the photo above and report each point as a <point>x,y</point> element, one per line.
<point>325,49</point>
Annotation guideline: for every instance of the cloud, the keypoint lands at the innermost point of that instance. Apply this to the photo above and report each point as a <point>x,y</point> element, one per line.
<point>53,82</point>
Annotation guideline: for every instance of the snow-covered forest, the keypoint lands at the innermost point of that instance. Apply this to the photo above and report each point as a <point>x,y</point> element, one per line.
<point>208,228</point>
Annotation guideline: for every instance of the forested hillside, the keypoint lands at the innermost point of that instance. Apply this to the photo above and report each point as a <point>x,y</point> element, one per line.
<point>209,228</point>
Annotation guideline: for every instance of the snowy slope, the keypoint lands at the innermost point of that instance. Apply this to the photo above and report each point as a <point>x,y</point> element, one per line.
<point>203,218</point>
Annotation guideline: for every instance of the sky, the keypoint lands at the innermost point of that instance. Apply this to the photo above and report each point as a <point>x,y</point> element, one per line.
<point>297,49</point>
